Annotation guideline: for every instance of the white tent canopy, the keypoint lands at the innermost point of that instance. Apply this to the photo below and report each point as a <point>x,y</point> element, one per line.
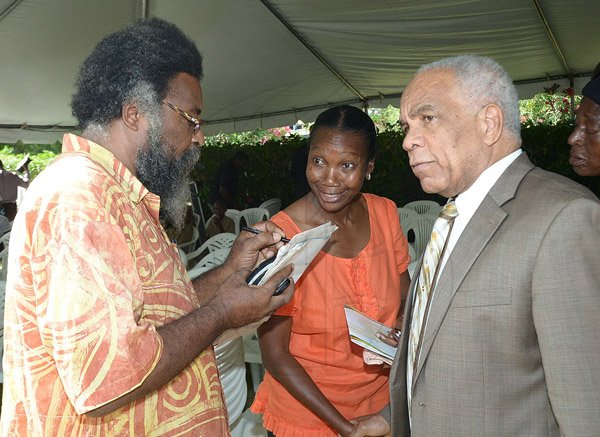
<point>269,63</point>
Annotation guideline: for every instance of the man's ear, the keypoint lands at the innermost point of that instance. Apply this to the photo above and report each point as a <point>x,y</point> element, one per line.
<point>491,121</point>
<point>131,116</point>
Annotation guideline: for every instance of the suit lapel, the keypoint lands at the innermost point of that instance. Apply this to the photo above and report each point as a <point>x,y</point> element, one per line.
<point>482,226</point>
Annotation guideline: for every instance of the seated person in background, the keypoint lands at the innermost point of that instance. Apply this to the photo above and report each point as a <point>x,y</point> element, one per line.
<point>316,379</point>
<point>585,138</point>
<point>219,222</point>
<point>9,184</point>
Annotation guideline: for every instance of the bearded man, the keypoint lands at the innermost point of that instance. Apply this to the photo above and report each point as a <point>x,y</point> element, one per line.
<point>104,333</point>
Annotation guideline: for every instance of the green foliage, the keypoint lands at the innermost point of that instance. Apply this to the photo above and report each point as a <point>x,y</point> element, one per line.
<point>549,107</point>
<point>41,155</point>
<point>385,119</point>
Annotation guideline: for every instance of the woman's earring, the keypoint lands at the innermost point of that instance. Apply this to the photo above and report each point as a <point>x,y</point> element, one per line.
<point>368,176</point>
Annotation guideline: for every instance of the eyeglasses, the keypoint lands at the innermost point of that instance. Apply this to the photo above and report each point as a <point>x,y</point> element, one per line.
<point>197,123</point>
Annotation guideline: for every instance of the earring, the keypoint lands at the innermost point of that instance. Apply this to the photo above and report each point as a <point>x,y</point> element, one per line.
<point>368,176</point>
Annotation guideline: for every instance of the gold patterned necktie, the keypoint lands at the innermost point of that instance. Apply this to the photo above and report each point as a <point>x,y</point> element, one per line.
<point>427,279</point>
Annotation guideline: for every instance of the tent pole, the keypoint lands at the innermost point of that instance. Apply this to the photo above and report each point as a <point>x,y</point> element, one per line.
<point>572,85</point>
<point>8,9</point>
<point>551,36</point>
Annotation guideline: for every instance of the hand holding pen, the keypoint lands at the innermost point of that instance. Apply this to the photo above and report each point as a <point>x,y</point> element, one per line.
<point>248,250</point>
<point>258,231</point>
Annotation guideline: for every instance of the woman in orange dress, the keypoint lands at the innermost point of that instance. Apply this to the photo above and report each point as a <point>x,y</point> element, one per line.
<point>316,379</point>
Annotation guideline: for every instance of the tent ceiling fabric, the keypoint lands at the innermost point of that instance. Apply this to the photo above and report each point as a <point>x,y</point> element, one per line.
<point>271,62</point>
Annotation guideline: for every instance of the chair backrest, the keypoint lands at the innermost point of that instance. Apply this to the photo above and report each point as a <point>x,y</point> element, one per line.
<point>234,215</point>
<point>272,205</point>
<point>188,246</point>
<point>4,239</point>
<point>421,225</point>
<point>412,253</point>
<point>210,261</point>
<point>196,220</point>
<point>424,206</point>
<point>253,215</point>
<point>215,242</point>
<point>405,214</point>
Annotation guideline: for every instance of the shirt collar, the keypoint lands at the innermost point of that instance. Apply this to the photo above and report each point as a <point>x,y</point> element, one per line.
<point>73,144</point>
<point>468,201</point>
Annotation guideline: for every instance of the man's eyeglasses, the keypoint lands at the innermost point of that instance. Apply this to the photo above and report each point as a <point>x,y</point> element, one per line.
<point>197,123</point>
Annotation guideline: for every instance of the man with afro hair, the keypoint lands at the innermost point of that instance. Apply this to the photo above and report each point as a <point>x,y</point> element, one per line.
<point>105,334</point>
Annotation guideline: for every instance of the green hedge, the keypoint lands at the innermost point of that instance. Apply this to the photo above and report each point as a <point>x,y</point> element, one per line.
<point>267,174</point>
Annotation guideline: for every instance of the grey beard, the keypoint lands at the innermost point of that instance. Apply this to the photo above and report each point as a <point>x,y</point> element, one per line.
<point>167,177</point>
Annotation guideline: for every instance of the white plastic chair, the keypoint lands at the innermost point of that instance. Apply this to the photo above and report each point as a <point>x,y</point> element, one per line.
<point>421,225</point>
<point>272,205</point>
<point>234,215</point>
<point>232,373</point>
<point>4,239</point>
<point>424,206</point>
<point>216,242</point>
<point>210,261</point>
<point>196,220</point>
<point>253,215</point>
<point>189,245</point>
<point>254,359</point>
<point>405,214</point>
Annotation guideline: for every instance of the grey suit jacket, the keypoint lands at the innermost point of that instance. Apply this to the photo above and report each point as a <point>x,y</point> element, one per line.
<point>512,343</point>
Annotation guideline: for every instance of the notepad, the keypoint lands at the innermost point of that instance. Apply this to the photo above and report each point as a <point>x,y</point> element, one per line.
<point>363,332</point>
<point>300,251</point>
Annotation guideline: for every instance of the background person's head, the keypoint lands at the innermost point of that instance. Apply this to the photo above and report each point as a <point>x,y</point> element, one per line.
<point>133,77</point>
<point>219,208</point>
<point>342,149</point>
<point>460,116</point>
<point>585,138</point>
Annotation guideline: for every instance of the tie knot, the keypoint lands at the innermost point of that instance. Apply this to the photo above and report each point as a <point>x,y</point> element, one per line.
<point>449,212</point>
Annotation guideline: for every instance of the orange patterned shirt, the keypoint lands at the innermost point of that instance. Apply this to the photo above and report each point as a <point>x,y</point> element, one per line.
<point>92,274</point>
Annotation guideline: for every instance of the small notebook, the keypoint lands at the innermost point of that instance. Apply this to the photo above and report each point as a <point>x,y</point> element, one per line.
<point>300,251</point>
<point>363,332</point>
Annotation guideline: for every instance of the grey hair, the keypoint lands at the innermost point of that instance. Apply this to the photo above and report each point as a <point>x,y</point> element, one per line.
<point>484,81</point>
<point>148,101</point>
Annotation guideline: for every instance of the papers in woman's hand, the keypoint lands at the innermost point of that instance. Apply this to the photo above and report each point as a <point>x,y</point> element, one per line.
<point>363,332</point>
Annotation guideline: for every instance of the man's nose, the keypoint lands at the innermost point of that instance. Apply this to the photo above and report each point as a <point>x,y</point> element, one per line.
<point>198,138</point>
<point>575,137</point>
<point>412,139</point>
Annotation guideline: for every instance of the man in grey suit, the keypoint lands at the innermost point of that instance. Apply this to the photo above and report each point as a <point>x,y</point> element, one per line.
<point>511,338</point>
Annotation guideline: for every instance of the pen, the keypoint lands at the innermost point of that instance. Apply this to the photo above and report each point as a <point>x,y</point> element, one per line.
<point>256,231</point>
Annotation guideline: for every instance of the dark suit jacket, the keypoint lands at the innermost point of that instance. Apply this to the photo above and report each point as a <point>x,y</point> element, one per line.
<point>512,344</point>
